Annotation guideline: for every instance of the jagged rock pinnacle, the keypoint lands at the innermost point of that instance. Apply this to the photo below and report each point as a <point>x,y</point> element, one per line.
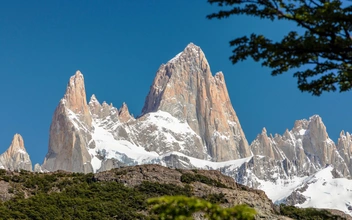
<point>16,156</point>
<point>186,89</point>
<point>93,99</point>
<point>344,147</point>
<point>124,114</point>
<point>307,146</point>
<point>17,143</point>
<point>75,96</point>
<point>70,130</point>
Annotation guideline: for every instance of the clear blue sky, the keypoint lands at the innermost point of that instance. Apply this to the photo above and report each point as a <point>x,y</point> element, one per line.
<point>118,46</point>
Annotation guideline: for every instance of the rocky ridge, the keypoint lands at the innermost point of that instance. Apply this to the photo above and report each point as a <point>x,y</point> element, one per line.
<point>201,124</point>
<point>284,165</point>
<point>300,152</point>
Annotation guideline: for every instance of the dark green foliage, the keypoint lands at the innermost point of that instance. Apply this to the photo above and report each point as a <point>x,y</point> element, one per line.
<point>80,196</point>
<point>121,172</point>
<point>2,172</point>
<point>4,176</point>
<point>81,201</point>
<point>306,214</point>
<point>153,189</point>
<point>216,198</point>
<point>323,48</point>
<point>182,207</point>
<point>189,178</point>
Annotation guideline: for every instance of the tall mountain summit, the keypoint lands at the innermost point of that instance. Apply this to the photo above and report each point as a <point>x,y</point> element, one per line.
<point>186,88</point>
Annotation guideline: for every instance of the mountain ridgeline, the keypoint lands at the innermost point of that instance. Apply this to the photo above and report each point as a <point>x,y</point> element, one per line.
<point>188,122</point>
<point>187,110</point>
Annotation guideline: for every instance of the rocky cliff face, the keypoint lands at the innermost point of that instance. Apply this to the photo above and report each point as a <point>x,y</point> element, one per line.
<point>285,162</point>
<point>306,149</point>
<point>70,131</point>
<point>344,146</point>
<point>185,88</point>
<point>16,156</point>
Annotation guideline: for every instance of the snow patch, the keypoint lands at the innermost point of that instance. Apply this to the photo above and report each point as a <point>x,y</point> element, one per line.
<point>324,191</point>
<point>302,131</point>
<point>281,188</point>
<point>112,148</point>
<point>164,120</point>
<point>21,151</point>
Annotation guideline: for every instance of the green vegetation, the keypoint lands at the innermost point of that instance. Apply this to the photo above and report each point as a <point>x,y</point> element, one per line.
<point>306,214</point>
<point>63,195</point>
<point>80,196</point>
<point>153,190</point>
<point>189,178</point>
<point>181,207</point>
<point>79,201</point>
<point>71,196</point>
<point>216,198</point>
<point>319,50</point>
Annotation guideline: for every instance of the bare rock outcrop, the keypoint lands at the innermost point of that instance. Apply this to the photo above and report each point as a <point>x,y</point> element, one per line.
<point>344,147</point>
<point>300,152</point>
<point>124,114</point>
<point>264,145</point>
<point>185,88</point>
<point>70,131</point>
<point>318,149</point>
<point>16,156</point>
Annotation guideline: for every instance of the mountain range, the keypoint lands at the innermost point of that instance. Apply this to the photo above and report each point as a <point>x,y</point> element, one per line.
<point>188,122</point>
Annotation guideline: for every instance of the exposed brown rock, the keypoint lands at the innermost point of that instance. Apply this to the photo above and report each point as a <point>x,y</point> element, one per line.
<point>344,146</point>
<point>124,114</point>
<point>75,98</point>
<point>307,147</point>
<point>16,156</point>
<point>186,89</point>
<point>70,131</point>
<point>4,191</point>
<point>94,105</point>
<point>265,146</point>
<point>320,148</point>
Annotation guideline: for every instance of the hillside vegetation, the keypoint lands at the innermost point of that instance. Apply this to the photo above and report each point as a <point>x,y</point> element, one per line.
<point>123,194</point>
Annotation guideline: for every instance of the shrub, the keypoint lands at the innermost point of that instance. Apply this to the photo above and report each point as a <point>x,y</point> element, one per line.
<point>189,178</point>
<point>307,213</point>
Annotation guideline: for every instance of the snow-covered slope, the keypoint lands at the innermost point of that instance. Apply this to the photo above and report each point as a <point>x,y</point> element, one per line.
<point>109,148</point>
<point>162,129</point>
<point>322,190</point>
<point>279,190</point>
